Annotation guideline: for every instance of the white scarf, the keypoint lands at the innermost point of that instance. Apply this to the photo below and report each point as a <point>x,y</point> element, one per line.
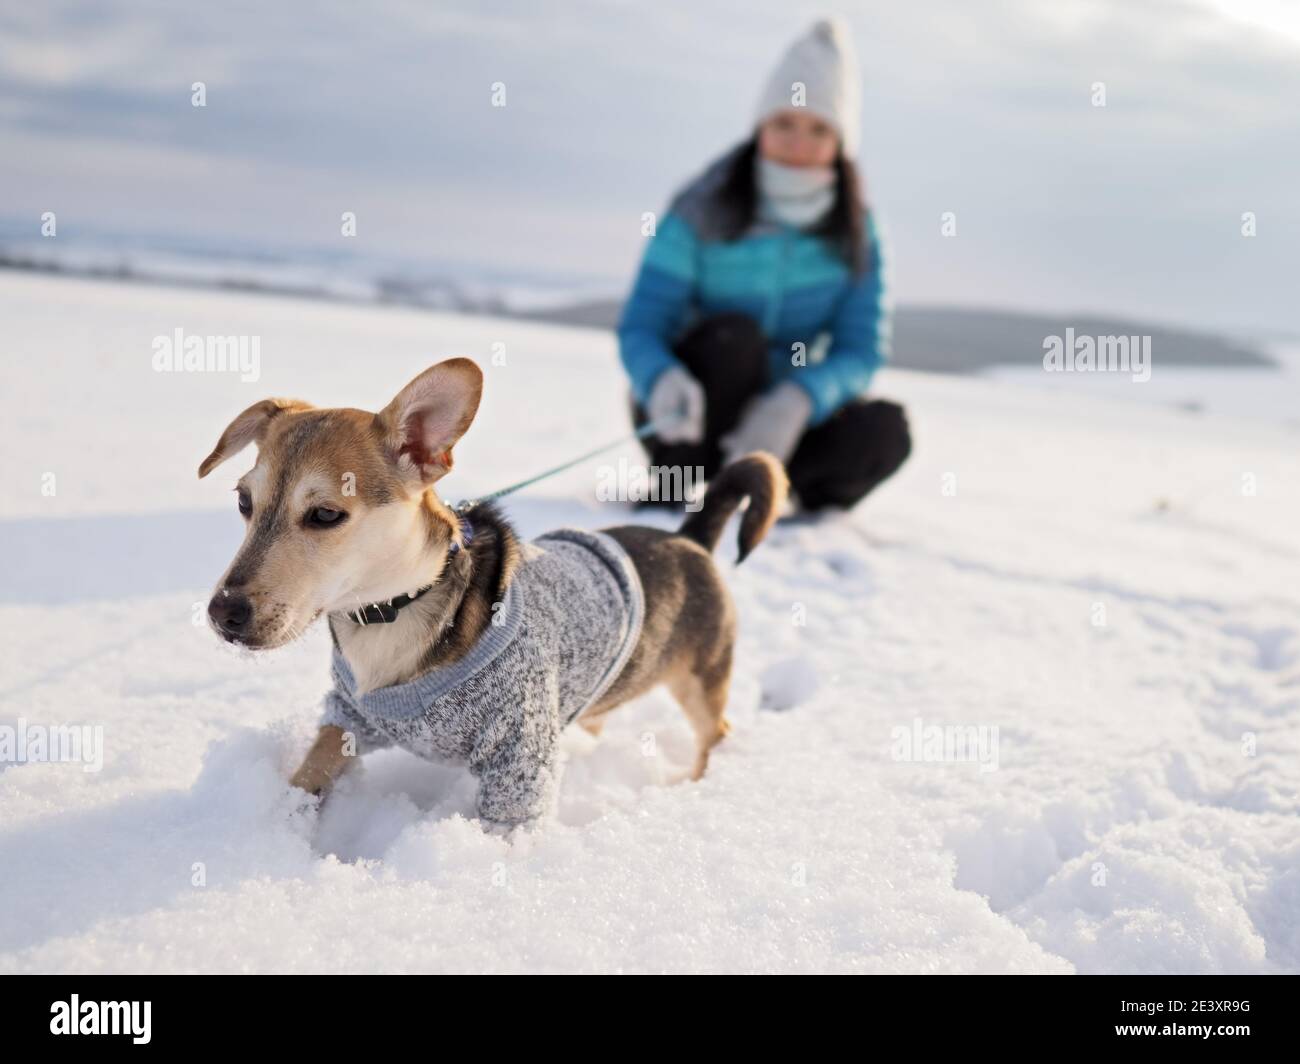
<point>794,195</point>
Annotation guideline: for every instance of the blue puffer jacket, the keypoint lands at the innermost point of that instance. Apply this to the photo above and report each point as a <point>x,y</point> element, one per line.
<point>794,285</point>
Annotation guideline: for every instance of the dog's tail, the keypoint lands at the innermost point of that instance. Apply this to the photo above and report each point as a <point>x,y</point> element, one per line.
<point>757,476</point>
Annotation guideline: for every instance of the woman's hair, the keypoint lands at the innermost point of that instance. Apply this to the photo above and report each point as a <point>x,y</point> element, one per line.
<point>844,226</point>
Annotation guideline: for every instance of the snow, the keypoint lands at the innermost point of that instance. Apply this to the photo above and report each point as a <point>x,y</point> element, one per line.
<point>1112,586</point>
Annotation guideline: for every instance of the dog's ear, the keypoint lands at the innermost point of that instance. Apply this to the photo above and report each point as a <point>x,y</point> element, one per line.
<point>248,427</point>
<point>419,427</point>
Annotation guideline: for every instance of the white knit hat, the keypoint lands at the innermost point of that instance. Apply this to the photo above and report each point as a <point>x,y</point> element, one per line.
<point>825,62</point>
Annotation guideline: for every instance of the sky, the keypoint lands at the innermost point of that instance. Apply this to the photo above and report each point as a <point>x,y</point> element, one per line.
<point>979,107</point>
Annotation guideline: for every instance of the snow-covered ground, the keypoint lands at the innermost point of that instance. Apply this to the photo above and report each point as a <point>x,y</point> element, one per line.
<point>1114,588</point>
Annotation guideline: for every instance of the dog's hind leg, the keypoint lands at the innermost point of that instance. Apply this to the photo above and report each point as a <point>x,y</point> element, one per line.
<point>703,696</point>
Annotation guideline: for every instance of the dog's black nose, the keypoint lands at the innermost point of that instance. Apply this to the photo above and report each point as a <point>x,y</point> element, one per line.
<point>231,612</point>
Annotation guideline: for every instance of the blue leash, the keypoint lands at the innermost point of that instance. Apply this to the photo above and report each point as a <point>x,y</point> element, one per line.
<point>647,429</point>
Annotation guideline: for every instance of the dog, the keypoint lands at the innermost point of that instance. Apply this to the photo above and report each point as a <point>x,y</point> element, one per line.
<point>342,521</point>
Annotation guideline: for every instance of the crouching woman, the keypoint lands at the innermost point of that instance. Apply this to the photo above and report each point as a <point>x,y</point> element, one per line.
<point>759,313</point>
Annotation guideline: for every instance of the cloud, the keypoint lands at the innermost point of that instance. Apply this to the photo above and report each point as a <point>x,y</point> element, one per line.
<point>385,109</point>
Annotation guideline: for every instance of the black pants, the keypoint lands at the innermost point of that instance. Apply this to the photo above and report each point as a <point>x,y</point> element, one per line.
<point>835,463</point>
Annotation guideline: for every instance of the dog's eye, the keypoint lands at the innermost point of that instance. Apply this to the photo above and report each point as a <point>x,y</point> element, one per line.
<point>324,517</point>
<point>245,503</point>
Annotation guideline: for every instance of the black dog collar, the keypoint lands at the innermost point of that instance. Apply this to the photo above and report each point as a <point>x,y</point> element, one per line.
<point>386,612</point>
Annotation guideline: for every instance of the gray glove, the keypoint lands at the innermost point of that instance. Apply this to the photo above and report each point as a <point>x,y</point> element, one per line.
<point>773,422</point>
<point>677,399</point>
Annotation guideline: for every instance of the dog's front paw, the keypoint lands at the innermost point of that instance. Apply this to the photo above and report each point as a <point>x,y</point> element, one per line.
<point>311,780</point>
<point>300,808</point>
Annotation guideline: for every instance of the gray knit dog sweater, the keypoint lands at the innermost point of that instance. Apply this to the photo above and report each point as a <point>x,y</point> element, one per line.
<point>566,628</point>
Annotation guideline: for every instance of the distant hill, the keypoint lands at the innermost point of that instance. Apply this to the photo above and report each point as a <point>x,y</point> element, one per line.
<point>959,340</point>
